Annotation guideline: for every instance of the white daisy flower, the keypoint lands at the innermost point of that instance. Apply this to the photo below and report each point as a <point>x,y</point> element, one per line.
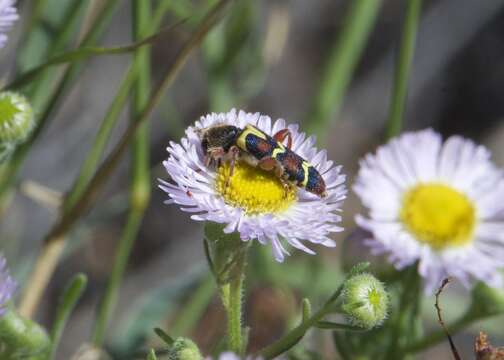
<point>8,15</point>
<point>255,202</point>
<point>439,204</point>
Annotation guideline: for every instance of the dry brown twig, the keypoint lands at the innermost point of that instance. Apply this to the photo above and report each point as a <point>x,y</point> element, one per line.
<point>440,318</point>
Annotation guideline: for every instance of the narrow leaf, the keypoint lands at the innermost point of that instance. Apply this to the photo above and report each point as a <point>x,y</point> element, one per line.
<point>85,52</point>
<point>69,299</point>
<point>403,67</point>
<point>164,336</point>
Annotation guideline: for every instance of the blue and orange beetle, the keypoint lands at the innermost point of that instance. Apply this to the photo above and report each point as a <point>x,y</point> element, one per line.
<point>228,143</point>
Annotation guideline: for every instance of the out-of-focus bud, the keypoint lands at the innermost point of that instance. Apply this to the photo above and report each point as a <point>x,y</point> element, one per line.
<point>184,349</point>
<point>22,338</point>
<point>365,301</point>
<point>16,121</point>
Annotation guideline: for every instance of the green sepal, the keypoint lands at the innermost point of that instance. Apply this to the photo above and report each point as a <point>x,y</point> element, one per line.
<point>226,252</point>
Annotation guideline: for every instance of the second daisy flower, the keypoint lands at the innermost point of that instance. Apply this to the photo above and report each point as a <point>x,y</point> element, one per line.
<point>441,204</point>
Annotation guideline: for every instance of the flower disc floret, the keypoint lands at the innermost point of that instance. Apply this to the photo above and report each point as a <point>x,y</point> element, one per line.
<point>438,215</point>
<point>254,190</point>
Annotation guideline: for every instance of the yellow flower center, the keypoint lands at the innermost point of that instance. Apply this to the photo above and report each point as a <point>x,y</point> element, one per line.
<point>254,190</point>
<point>438,215</point>
<point>374,298</point>
<point>7,109</point>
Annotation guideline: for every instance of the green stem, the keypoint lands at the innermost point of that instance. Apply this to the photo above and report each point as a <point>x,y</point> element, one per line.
<point>438,336</point>
<point>69,299</point>
<point>407,313</point>
<point>234,313</point>
<point>110,163</point>
<point>192,311</point>
<point>111,293</point>
<point>403,68</point>
<point>9,174</point>
<point>93,158</point>
<point>341,64</point>
<point>140,188</point>
<point>101,139</point>
<point>227,256</point>
<point>38,95</point>
<point>295,335</point>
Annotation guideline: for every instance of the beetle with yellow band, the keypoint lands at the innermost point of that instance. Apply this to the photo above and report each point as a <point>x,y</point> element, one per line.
<point>250,144</point>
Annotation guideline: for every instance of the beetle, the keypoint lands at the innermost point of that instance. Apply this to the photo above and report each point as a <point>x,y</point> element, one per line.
<point>228,143</point>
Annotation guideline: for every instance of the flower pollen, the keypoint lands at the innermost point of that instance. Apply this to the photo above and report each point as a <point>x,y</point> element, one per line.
<point>254,190</point>
<point>438,215</point>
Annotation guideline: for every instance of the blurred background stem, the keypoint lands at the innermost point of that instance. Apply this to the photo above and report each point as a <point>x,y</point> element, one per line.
<point>140,187</point>
<point>46,263</point>
<point>341,65</point>
<point>70,297</point>
<point>103,136</point>
<point>48,103</point>
<point>403,68</point>
<point>194,308</point>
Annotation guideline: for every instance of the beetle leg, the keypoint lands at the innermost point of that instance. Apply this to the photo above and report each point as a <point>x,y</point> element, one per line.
<point>281,135</point>
<point>208,160</point>
<point>214,156</point>
<point>232,162</point>
<point>271,164</point>
<point>268,163</point>
<point>286,185</point>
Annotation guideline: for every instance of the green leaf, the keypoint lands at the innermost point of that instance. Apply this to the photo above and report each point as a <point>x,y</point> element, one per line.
<point>164,336</point>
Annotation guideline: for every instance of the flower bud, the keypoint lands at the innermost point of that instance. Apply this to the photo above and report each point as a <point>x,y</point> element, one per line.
<point>365,301</point>
<point>16,121</point>
<point>184,349</point>
<point>22,338</point>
